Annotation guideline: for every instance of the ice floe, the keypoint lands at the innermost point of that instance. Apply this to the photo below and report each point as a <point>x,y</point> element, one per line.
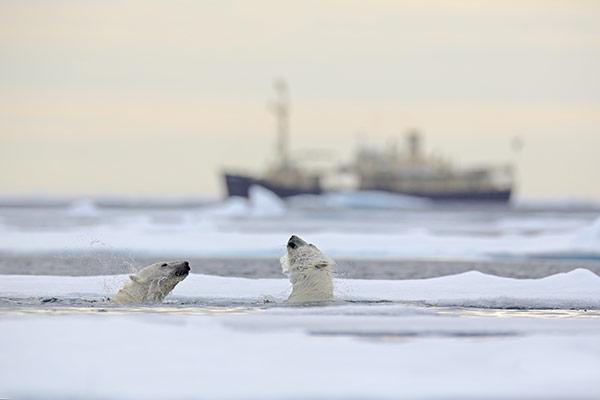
<point>578,289</point>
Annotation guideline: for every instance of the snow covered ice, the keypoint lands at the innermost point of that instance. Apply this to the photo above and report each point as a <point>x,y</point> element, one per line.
<point>427,338</point>
<point>468,335</point>
<point>225,356</point>
<point>362,225</point>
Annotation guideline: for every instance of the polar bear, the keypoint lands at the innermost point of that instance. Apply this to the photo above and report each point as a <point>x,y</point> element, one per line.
<point>309,271</point>
<point>153,283</point>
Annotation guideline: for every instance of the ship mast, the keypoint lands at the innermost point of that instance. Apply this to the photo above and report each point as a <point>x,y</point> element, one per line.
<point>281,109</point>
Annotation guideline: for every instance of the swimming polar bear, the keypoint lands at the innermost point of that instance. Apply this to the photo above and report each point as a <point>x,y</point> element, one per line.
<point>153,283</point>
<point>309,271</point>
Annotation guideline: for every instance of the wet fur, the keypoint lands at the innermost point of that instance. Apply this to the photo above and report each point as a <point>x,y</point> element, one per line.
<point>152,284</point>
<point>310,273</point>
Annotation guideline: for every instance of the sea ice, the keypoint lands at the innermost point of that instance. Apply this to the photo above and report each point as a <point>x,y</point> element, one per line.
<point>578,289</point>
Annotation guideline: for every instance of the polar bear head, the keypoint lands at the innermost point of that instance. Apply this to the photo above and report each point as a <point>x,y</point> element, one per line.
<point>309,271</point>
<point>153,283</point>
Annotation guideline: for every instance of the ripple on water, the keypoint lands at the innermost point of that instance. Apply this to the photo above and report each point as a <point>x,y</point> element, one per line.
<point>211,306</point>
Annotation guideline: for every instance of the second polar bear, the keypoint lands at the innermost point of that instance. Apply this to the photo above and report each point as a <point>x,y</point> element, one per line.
<point>153,283</point>
<point>309,270</point>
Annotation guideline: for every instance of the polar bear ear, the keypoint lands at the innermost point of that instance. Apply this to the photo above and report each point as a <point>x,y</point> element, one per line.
<point>324,262</point>
<point>134,278</point>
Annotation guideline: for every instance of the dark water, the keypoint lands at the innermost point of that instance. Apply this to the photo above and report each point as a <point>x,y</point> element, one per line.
<point>110,264</point>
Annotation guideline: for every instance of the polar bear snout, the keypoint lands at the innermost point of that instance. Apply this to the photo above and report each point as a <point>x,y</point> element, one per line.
<point>295,242</point>
<point>176,268</point>
<point>183,269</point>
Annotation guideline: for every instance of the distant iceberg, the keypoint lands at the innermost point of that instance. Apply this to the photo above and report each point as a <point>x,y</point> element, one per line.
<point>264,203</point>
<point>261,203</point>
<point>360,200</point>
<point>83,208</point>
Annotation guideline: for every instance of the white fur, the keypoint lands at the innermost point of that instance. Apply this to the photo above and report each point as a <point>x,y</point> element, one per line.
<point>152,284</point>
<point>310,273</point>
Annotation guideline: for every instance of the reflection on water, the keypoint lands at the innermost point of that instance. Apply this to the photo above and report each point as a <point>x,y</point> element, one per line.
<point>62,306</point>
<point>529,313</point>
<point>201,306</point>
<point>129,310</point>
<point>408,334</point>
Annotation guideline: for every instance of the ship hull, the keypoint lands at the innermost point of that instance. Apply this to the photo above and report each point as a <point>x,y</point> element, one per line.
<point>239,185</point>
<point>492,196</point>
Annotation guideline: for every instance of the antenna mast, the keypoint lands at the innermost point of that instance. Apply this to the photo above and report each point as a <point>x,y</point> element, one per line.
<point>281,109</point>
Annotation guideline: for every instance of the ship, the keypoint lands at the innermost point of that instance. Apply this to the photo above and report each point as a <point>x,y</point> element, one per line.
<point>408,171</point>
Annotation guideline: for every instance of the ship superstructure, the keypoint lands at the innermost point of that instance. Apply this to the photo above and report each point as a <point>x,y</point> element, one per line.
<point>414,173</point>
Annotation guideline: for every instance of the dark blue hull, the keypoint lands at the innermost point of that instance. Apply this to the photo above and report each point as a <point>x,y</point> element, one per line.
<point>238,185</point>
<point>496,195</point>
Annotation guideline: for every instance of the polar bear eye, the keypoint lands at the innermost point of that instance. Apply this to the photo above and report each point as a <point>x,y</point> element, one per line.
<point>164,265</point>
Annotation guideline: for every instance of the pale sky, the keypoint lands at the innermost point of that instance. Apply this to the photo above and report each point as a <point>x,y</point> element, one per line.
<point>156,97</point>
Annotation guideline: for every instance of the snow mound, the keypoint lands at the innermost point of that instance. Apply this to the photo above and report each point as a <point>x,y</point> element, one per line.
<point>261,203</point>
<point>577,289</point>
<point>83,208</point>
<point>590,235</point>
<point>232,207</point>
<point>360,200</point>
<point>264,203</point>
